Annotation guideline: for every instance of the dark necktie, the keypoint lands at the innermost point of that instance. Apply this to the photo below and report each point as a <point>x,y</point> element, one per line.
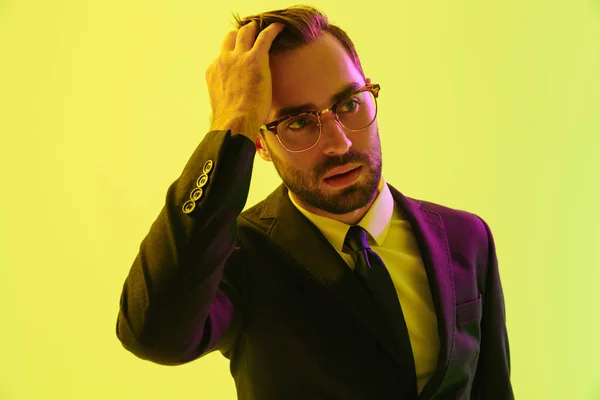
<point>374,276</point>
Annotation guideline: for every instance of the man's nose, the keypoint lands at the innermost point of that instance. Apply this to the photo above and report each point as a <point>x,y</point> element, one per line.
<point>329,115</point>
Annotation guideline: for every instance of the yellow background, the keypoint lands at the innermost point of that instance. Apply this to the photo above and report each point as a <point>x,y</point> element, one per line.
<point>490,107</point>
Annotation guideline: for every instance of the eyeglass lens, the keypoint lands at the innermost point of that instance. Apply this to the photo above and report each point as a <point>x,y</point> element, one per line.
<point>302,131</point>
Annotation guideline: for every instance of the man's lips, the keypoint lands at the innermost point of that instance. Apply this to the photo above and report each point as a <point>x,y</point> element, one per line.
<point>341,170</point>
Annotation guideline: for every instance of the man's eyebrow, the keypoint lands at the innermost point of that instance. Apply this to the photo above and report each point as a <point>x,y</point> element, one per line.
<point>348,89</point>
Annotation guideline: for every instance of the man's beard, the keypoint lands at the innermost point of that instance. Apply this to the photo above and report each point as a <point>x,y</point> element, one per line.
<point>309,187</point>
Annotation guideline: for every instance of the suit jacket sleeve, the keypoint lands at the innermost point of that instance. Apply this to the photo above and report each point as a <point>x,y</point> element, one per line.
<point>184,295</point>
<point>492,376</point>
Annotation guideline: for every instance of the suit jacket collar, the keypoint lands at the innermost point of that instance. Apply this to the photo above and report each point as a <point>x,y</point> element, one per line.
<point>311,250</point>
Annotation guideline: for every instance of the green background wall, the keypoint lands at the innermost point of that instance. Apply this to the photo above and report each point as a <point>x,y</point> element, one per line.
<point>490,107</point>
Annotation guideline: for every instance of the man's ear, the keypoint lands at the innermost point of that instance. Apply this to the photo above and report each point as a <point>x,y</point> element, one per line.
<point>261,148</point>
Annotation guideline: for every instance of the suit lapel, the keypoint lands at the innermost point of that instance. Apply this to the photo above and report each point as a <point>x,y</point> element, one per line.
<point>305,243</point>
<point>431,237</point>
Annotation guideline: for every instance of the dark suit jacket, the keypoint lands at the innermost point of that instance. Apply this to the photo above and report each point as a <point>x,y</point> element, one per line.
<point>267,290</point>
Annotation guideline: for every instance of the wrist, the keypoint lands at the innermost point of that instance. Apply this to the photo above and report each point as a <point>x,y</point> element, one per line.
<point>237,124</point>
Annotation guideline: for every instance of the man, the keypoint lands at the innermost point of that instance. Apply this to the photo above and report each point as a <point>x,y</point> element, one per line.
<point>336,286</point>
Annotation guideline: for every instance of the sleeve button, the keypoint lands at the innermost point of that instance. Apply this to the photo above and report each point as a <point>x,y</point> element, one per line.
<point>207,166</point>
<point>188,206</point>
<point>196,194</point>
<point>201,182</point>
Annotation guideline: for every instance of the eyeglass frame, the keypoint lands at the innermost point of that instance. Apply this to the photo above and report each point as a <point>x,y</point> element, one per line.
<point>272,126</point>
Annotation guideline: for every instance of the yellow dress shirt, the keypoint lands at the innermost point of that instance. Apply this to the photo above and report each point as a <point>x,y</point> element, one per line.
<point>392,238</point>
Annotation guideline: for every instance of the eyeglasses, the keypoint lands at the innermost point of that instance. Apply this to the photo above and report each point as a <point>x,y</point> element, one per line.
<point>301,132</point>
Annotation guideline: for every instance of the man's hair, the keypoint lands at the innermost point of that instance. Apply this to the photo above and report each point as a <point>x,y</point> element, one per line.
<point>303,25</point>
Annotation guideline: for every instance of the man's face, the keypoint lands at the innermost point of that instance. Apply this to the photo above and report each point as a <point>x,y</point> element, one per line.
<point>313,74</point>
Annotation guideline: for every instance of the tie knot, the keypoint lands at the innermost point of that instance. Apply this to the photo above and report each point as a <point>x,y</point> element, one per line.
<point>356,239</point>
